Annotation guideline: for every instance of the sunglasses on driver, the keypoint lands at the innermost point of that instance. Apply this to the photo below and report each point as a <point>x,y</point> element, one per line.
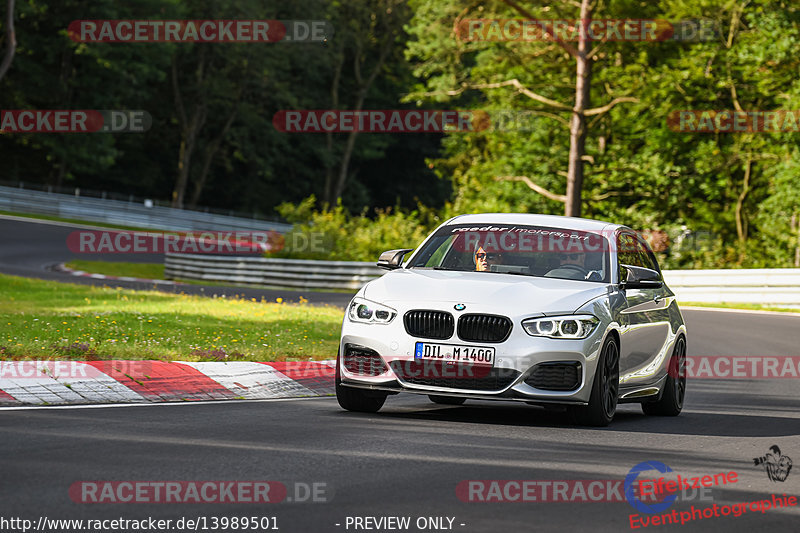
<point>489,257</point>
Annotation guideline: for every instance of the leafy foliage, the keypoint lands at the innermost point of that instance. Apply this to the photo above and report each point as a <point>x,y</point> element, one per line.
<point>345,237</point>
<point>724,199</point>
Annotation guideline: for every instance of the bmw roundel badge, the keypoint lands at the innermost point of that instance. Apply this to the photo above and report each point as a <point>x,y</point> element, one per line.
<point>459,307</point>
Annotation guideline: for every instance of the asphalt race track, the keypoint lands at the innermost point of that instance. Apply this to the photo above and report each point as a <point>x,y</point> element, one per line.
<point>409,459</point>
<point>31,248</point>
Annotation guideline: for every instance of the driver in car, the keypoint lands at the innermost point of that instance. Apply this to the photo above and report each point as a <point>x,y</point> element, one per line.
<point>484,260</point>
<point>576,258</point>
<point>572,266</point>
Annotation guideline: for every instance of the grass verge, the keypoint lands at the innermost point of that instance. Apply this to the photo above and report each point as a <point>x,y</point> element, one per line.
<point>133,270</point>
<point>51,320</point>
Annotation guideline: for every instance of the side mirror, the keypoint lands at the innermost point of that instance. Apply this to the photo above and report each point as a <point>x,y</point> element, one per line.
<point>640,278</point>
<point>392,259</point>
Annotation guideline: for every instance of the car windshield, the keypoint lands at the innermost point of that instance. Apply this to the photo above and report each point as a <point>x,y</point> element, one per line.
<point>517,249</point>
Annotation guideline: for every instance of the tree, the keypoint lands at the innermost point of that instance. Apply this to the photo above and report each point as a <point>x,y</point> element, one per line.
<point>51,71</point>
<point>484,67</point>
<point>10,39</point>
<point>367,33</point>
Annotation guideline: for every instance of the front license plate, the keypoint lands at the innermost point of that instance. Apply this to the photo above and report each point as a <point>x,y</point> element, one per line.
<point>479,355</point>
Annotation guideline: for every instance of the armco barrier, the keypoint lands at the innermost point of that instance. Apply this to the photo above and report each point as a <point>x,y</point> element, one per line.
<point>762,286</point>
<point>133,214</point>
<point>295,273</point>
<point>758,286</point>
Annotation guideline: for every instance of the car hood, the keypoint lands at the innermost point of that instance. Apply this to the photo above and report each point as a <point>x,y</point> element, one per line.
<point>529,293</point>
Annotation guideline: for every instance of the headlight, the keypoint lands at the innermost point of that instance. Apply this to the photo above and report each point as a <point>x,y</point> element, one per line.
<point>561,327</point>
<point>367,312</point>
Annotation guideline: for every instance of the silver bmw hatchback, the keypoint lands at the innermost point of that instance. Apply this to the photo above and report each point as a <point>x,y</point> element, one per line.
<point>540,309</point>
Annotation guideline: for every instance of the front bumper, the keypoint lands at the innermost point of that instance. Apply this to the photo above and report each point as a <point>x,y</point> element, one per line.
<point>510,378</point>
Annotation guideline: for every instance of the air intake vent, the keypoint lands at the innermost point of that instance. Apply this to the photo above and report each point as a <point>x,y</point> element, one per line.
<point>429,324</point>
<point>465,378</point>
<point>564,376</point>
<point>363,361</point>
<point>484,328</point>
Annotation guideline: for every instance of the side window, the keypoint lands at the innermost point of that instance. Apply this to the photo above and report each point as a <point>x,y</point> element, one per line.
<point>648,258</point>
<point>634,251</point>
<point>628,252</point>
<point>436,257</point>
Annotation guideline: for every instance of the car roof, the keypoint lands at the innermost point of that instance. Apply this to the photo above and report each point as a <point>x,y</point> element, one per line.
<point>552,221</point>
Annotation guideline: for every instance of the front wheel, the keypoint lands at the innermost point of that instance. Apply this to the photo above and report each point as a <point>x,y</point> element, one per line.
<point>605,389</point>
<point>671,402</point>
<point>357,400</point>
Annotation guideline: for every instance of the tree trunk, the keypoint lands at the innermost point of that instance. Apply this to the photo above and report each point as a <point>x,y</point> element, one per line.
<point>183,172</point>
<point>577,126</point>
<point>328,198</point>
<point>741,228</point>
<point>11,40</point>
<point>364,86</point>
<point>188,140</point>
<point>62,171</point>
<point>345,164</point>
<point>211,151</point>
<point>189,130</point>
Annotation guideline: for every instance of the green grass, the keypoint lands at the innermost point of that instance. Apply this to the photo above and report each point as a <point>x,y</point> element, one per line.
<point>134,270</point>
<point>50,320</point>
<point>745,306</point>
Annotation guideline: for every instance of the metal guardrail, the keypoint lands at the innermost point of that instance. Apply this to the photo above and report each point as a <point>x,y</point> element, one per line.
<point>758,286</point>
<point>294,273</point>
<point>762,286</point>
<point>123,213</point>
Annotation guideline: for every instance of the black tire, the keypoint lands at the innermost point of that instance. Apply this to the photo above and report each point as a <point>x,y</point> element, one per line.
<point>671,402</point>
<point>360,401</point>
<point>446,400</point>
<point>605,389</point>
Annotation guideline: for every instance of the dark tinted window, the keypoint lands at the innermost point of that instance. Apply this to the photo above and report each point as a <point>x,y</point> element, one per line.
<point>518,249</point>
<point>631,250</point>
